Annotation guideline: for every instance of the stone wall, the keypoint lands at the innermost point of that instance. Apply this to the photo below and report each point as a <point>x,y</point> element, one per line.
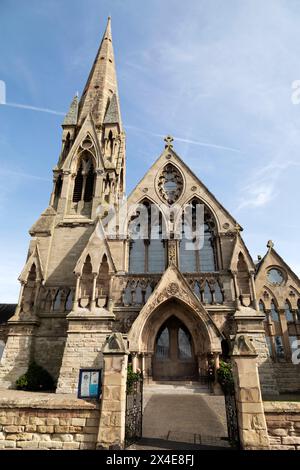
<point>47,421</point>
<point>265,364</point>
<point>49,342</point>
<point>82,350</point>
<point>283,423</point>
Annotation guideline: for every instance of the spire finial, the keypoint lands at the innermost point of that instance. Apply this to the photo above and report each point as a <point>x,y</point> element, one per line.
<point>270,244</point>
<point>168,142</point>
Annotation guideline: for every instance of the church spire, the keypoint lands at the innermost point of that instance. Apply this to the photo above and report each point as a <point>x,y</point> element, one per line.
<point>102,82</point>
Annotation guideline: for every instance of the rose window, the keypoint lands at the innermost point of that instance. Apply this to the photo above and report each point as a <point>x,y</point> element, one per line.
<point>170,184</point>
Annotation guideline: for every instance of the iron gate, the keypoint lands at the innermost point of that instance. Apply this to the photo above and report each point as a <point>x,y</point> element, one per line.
<point>232,420</point>
<point>134,412</point>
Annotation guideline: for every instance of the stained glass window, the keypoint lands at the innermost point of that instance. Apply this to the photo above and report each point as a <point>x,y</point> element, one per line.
<point>274,312</point>
<point>279,347</point>
<point>288,312</point>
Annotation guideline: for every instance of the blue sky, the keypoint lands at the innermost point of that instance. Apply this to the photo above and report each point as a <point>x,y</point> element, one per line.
<point>216,75</point>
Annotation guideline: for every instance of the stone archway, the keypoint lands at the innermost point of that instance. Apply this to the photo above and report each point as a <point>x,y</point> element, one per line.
<point>173,296</point>
<point>145,333</point>
<point>174,352</point>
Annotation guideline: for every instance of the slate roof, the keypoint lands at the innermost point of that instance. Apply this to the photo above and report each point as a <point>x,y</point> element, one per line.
<point>112,115</point>
<point>6,312</point>
<point>72,114</point>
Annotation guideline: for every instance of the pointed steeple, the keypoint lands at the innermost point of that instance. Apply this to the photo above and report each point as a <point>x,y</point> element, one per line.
<point>102,82</point>
<point>72,114</point>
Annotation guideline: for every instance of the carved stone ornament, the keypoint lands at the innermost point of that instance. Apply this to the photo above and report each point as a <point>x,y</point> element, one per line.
<point>173,288</point>
<point>115,344</point>
<point>243,346</point>
<point>87,143</point>
<point>172,253</point>
<point>178,291</point>
<point>170,184</point>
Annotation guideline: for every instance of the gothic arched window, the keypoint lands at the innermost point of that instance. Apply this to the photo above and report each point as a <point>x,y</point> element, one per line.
<point>57,301</point>
<point>67,146</point>
<point>274,312</point>
<point>298,310</point>
<point>184,344</point>
<point>110,143</point>
<point>197,244</point>
<point>288,312</point>
<point>163,344</point>
<point>219,297</point>
<point>262,308</point>
<point>69,301</point>
<point>77,193</point>
<point>279,349</point>
<point>147,244</point>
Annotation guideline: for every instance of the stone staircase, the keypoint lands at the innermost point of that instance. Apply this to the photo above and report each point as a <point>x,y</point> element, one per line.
<point>183,413</point>
<point>287,377</point>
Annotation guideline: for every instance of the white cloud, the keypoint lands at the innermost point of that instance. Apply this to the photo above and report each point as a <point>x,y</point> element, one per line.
<point>263,185</point>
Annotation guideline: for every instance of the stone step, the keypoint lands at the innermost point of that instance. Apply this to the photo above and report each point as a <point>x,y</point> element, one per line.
<point>175,388</point>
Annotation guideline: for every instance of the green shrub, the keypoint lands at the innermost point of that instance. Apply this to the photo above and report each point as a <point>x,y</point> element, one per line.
<point>132,377</point>
<point>36,379</point>
<point>225,377</point>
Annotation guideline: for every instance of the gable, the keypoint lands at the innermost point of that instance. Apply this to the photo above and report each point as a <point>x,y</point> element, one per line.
<point>34,258</point>
<point>240,247</point>
<point>288,290</point>
<point>87,130</point>
<point>192,188</point>
<point>273,259</point>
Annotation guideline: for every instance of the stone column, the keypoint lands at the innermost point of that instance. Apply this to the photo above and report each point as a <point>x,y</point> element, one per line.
<point>111,433</point>
<point>76,294</point>
<point>134,361</point>
<point>236,290</point>
<point>253,290</point>
<point>93,299</point>
<point>251,419</point>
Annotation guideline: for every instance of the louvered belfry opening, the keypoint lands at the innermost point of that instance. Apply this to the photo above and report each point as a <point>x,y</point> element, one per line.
<point>89,185</point>
<point>78,185</point>
<point>84,181</point>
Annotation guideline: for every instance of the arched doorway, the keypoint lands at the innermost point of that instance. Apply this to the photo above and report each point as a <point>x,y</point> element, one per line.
<point>174,353</point>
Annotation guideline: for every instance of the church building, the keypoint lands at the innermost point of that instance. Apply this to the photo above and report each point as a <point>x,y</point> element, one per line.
<point>166,267</point>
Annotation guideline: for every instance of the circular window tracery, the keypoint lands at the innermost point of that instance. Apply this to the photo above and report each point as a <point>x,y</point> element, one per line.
<point>275,277</point>
<point>170,184</point>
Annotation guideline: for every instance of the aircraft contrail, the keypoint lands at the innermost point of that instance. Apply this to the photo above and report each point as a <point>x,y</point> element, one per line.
<point>188,141</point>
<point>34,108</point>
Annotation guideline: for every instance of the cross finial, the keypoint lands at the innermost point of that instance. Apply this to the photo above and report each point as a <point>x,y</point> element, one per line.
<point>270,244</point>
<point>168,140</point>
